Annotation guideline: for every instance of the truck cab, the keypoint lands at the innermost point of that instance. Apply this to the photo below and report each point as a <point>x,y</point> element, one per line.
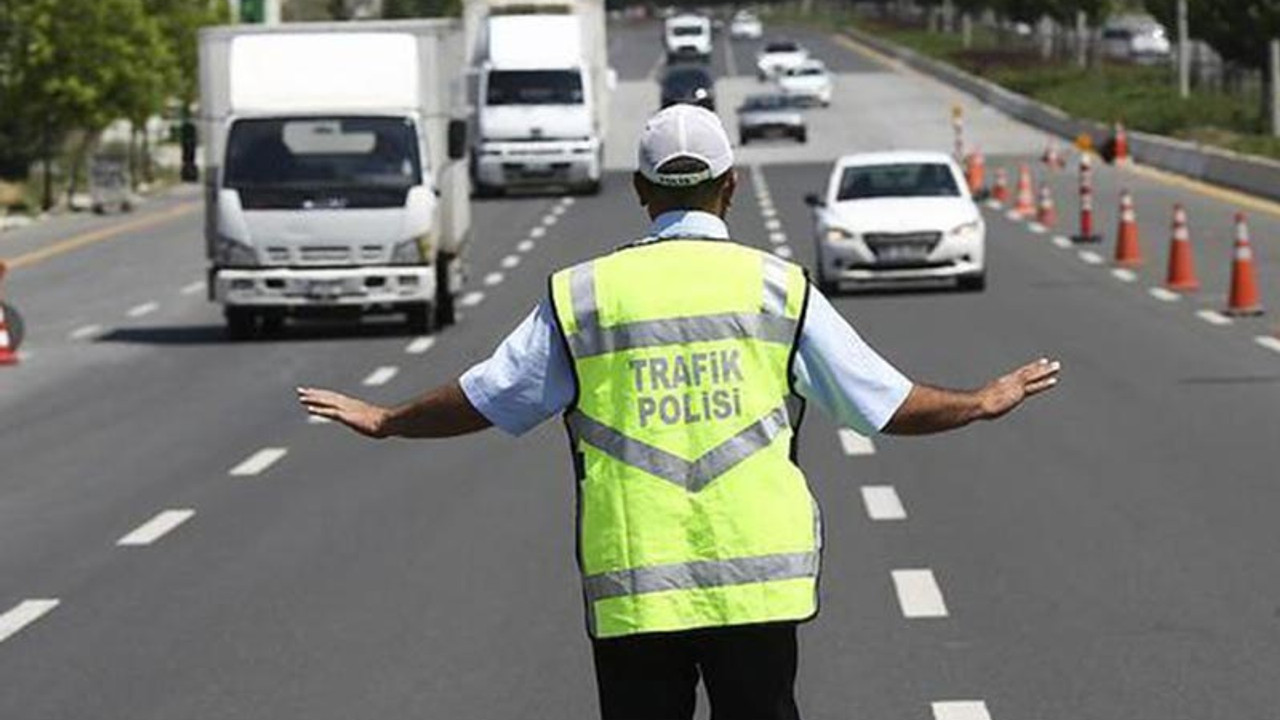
<point>687,37</point>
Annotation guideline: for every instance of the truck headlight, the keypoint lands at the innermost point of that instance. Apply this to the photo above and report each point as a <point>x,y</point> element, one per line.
<point>838,235</point>
<point>968,228</point>
<point>413,251</point>
<point>232,253</point>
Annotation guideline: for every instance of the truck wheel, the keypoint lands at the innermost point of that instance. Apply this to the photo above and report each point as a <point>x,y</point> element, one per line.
<point>445,312</point>
<point>242,323</point>
<point>418,317</point>
<point>272,323</point>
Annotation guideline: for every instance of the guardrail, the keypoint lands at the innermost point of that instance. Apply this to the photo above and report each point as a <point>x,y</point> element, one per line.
<point>1255,175</point>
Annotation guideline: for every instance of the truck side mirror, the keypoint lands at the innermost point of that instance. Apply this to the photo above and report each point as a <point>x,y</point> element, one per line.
<point>812,200</point>
<point>457,139</point>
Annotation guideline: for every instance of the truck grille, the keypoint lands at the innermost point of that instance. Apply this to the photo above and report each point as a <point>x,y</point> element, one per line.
<point>325,254</point>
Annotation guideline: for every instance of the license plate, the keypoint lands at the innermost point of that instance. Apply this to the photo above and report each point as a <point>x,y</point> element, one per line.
<point>324,289</point>
<point>900,253</point>
<point>537,169</point>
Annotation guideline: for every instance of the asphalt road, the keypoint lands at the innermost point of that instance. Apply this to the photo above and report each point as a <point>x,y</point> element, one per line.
<point>1107,552</point>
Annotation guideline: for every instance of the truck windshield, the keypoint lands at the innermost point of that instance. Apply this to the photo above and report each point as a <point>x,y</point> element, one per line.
<point>323,153</point>
<point>687,30</point>
<point>534,87</point>
<point>904,180</point>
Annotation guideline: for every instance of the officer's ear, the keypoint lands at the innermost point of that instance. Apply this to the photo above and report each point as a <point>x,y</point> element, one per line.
<point>644,190</point>
<point>727,190</point>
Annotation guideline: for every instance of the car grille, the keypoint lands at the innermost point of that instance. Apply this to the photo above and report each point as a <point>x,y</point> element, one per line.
<point>904,248</point>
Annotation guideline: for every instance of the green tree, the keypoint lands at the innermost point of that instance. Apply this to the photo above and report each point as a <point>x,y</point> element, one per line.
<point>421,8</point>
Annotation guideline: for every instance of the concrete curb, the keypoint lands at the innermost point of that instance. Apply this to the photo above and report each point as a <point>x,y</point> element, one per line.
<point>1249,173</point>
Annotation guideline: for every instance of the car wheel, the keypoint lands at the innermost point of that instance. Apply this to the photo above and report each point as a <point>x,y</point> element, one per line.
<point>976,282</point>
<point>242,323</point>
<point>802,137</point>
<point>272,323</point>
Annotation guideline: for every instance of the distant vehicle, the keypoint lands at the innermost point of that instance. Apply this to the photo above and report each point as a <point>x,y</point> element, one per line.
<point>336,173</point>
<point>541,107</point>
<point>688,37</point>
<point>898,217</point>
<point>689,84</point>
<point>109,184</point>
<point>809,82</point>
<point>1136,37</point>
<point>776,115</point>
<point>746,26</point>
<point>777,56</point>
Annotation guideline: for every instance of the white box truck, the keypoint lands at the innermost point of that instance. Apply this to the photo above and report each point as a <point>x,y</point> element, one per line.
<point>335,170</point>
<point>541,85</point>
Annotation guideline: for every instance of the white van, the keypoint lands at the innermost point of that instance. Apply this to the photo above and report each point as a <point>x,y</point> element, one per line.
<point>688,36</point>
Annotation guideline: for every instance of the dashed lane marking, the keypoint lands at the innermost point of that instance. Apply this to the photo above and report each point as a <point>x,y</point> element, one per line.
<point>854,443</point>
<point>960,710</point>
<point>1213,317</point>
<point>471,299</point>
<point>1268,342</point>
<point>548,220</point>
<point>23,614</point>
<point>420,345</point>
<point>192,288</point>
<point>1037,228</point>
<point>559,210</point>
<point>258,462</point>
<point>772,224</point>
<point>568,200</point>
<point>783,251</point>
<point>85,332</point>
<point>157,527</point>
<point>778,238</point>
<point>382,375</point>
<point>525,246</point>
<point>883,503</point>
<point>1062,241</point>
<point>537,232</point>
<point>1090,257</point>
<point>1124,275</point>
<point>1163,294</point>
<point>145,308</point>
<point>994,204</point>
<point>511,261</point>
<point>494,278</point>
<point>1014,216</point>
<point>767,211</point>
<point>918,593</point>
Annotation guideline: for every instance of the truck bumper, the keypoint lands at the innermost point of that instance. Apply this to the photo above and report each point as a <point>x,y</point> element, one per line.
<point>530,164</point>
<point>329,287</point>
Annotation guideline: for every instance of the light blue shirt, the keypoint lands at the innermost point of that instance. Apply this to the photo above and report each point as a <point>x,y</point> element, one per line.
<point>529,378</point>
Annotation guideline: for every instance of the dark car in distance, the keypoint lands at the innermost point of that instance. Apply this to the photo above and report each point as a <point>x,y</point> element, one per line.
<point>690,85</point>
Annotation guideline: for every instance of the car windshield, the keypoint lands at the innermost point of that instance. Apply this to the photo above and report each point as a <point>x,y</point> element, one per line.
<point>781,47</point>
<point>805,72</point>
<point>686,80</point>
<point>768,102</point>
<point>898,180</point>
<point>687,30</point>
<point>534,87</point>
<point>338,152</point>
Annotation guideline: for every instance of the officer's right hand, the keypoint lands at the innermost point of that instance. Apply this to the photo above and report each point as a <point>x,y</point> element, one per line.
<point>365,418</point>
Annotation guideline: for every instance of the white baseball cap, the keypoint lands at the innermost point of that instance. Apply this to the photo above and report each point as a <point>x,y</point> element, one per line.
<point>684,131</point>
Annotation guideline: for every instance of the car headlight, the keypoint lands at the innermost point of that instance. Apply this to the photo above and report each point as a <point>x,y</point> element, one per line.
<point>965,228</point>
<point>413,251</point>
<point>232,253</point>
<point>835,234</point>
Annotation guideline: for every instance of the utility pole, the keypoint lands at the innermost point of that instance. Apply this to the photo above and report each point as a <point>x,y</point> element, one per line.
<point>1274,70</point>
<point>1082,39</point>
<point>1184,52</point>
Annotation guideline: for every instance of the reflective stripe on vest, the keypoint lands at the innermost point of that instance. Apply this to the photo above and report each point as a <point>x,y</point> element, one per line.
<point>701,574</point>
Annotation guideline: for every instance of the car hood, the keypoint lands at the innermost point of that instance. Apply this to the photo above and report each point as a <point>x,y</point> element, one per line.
<point>804,81</point>
<point>782,59</point>
<point>901,215</point>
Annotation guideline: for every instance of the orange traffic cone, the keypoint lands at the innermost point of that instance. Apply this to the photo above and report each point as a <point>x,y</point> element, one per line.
<point>975,173</point>
<point>1120,138</point>
<point>1128,251</point>
<point>1052,157</point>
<point>1026,201</point>
<point>1047,212</point>
<point>8,340</point>
<point>1182,271</point>
<point>1244,298</point>
<point>1000,193</point>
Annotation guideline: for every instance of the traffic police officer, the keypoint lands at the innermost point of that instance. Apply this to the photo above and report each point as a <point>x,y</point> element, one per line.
<point>680,362</point>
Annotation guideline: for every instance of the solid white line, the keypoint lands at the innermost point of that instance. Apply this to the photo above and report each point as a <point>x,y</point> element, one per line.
<point>1062,241</point>
<point>192,288</point>
<point>145,308</point>
<point>525,246</point>
<point>772,224</point>
<point>258,462</point>
<point>1268,342</point>
<point>883,503</point>
<point>918,594</point>
<point>23,614</point>
<point>157,527</point>
<point>510,261</point>
<point>778,238</point>
<point>537,232</point>
<point>1124,275</point>
<point>382,375</point>
<point>960,710</point>
<point>854,444</point>
<point>85,332</point>
<point>783,251</point>
<point>420,345</point>
<point>1090,257</point>
<point>1163,294</point>
<point>471,299</point>
<point>550,220</point>
<point>494,278</point>
<point>1213,317</point>
<point>1037,228</point>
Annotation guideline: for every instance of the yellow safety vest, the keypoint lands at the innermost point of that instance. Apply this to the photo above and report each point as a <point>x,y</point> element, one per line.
<point>692,511</point>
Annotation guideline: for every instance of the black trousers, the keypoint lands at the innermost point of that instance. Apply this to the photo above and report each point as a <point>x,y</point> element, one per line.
<point>749,672</point>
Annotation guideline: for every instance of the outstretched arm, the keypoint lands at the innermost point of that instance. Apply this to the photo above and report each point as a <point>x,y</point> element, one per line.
<point>932,410</point>
<point>442,412</point>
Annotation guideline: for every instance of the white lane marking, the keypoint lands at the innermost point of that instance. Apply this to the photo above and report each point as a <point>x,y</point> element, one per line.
<point>258,462</point>
<point>318,420</point>
<point>145,308</point>
<point>157,527</point>
<point>23,614</point>
<point>767,211</point>
<point>1124,275</point>
<point>471,299</point>
<point>918,594</point>
<point>1163,294</point>
<point>1268,342</point>
<point>537,232</point>
<point>960,710</point>
<point>568,200</point>
<point>783,251</point>
<point>525,246</point>
<point>510,261</point>
<point>494,278</point>
<point>192,288</point>
<point>1062,241</point>
<point>1014,215</point>
<point>85,332</point>
<point>382,375</point>
<point>778,238</point>
<point>994,204</point>
<point>1037,228</point>
<point>549,220</point>
<point>855,444</point>
<point>420,345</point>
<point>1090,257</point>
<point>1213,317</point>
<point>883,503</point>
<point>559,210</point>
<point>772,224</point>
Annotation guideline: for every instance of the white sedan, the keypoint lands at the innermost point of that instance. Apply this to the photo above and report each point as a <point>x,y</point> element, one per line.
<point>746,26</point>
<point>890,218</point>
<point>777,57</point>
<point>808,82</point>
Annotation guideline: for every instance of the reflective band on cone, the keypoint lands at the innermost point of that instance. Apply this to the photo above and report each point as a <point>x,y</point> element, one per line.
<point>1047,213</point>
<point>1026,206</point>
<point>1128,250</point>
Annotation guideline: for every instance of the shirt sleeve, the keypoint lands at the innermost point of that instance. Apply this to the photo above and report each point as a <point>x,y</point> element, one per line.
<point>839,371</point>
<point>528,378</point>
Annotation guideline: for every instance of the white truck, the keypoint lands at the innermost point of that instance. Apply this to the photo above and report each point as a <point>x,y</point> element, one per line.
<point>540,85</point>
<point>687,37</point>
<point>335,170</point>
